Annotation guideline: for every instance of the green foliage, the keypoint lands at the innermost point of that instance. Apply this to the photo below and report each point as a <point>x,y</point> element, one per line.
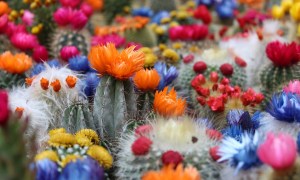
<point>114,103</point>
<point>8,80</point>
<point>159,5</point>
<point>114,7</point>
<point>144,36</point>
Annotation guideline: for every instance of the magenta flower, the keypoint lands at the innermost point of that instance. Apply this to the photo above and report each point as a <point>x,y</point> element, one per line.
<point>63,16</point>
<point>24,41</point>
<point>280,152</point>
<point>292,87</point>
<point>68,52</point>
<point>188,32</point>
<point>69,3</point>
<point>12,29</point>
<point>3,23</point>
<point>4,109</point>
<point>28,18</point>
<point>111,38</point>
<point>137,45</point>
<point>86,9</point>
<point>78,20</point>
<point>40,54</point>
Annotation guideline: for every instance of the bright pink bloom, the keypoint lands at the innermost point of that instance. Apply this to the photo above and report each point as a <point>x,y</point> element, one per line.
<point>3,23</point>
<point>137,45</point>
<point>4,109</point>
<point>63,16</point>
<point>188,32</point>
<point>24,41</point>
<point>203,13</point>
<point>86,9</point>
<point>279,151</point>
<point>68,52</point>
<point>12,29</point>
<point>283,54</point>
<point>28,18</point>
<point>78,20</point>
<point>293,87</point>
<point>141,146</point>
<point>69,3</point>
<point>40,54</point>
<point>143,130</point>
<point>118,40</point>
<point>188,59</point>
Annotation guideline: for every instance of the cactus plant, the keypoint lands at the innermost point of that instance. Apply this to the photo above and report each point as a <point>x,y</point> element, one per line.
<point>144,36</point>
<point>8,80</point>
<point>157,5</point>
<point>114,7</point>
<point>77,117</point>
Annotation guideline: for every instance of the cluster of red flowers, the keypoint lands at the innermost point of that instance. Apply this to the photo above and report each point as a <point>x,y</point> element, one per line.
<point>251,18</point>
<point>216,94</point>
<point>283,54</point>
<point>203,13</point>
<point>188,32</point>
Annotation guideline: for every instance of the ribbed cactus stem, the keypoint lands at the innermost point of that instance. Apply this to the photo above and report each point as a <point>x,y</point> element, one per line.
<point>144,36</point>
<point>8,80</point>
<point>114,103</point>
<point>145,103</point>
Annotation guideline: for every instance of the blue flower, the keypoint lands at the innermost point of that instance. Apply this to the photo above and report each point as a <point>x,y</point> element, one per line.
<point>46,170</point>
<point>159,16</point>
<point>54,63</point>
<point>167,76</point>
<point>256,119</point>
<point>240,154</point>
<point>91,82</point>
<point>298,142</point>
<point>285,107</point>
<point>224,11</point>
<point>83,169</point>
<point>40,67</point>
<point>143,11</point>
<point>79,63</point>
<point>205,2</point>
<point>234,131</point>
<point>233,116</point>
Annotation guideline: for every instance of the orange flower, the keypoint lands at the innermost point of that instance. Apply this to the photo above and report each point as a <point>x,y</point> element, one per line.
<point>168,173</point>
<point>4,8</point>
<point>56,85</point>
<point>44,83</point>
<point>107,60</point>
<point>252,3</point>
<point>19,111</point>
<point>29,81</point>
<point>95,4</point>
<point>167,104</point>
<point>146,80</point>
<point>71,81</point>
<point>15,64</point>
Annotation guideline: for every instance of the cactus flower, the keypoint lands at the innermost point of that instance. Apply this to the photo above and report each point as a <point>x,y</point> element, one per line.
<point>146,80</point>
<point>4,110</point>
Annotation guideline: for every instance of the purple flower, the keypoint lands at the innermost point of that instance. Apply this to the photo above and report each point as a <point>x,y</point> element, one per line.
<point>167,75</point>
<point>46,170</point>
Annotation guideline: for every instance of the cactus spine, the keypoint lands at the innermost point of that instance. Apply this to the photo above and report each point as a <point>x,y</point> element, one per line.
<point>8,80</point>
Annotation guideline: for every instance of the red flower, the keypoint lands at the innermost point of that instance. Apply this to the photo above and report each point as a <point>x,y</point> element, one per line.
<point>40,53</point>
<point>283,54</point>
<point>216,104</point>
<point>201,100</point>
<point>203,91</point>
<point>3,22</point>
<point>248,97</point>
<point>188,32</point>
<point>4,110</point>
<point>141,146</point>
<point>214,134</point>
<point>171,157</point>
<point>143,130</point>
<point>200,67</point>
<point>198,81</point>
<point>240,62</point>
<point>214,77</point>
<point>189,58</point>
<point>63,16</point>
<point>68,52</point>
<point>213,152</point>
<point>86,9</point>
<point>24,41</point>
<point>203,13</point>
<point>226,69</point>
<point>78,20</point>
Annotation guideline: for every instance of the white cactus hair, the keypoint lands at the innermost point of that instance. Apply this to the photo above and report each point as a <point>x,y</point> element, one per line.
<point>228,172</point>
<point>35,110</point>
<point>216,56</point>
<point>270,28</point>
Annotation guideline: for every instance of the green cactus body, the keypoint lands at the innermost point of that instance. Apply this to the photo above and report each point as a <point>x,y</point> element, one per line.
<point>77,117</point>
<point>6,45</point>
<point>7,80</point>
<point>158,5</point>
<point>114,103</point>
<point>144,36</point>
<point>145,103</point>
<point>114,7</point>
<point>272,76</point>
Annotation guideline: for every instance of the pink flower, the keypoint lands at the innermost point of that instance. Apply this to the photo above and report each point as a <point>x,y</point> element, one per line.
<point>3,23</point>
<point>143,130</point>
<point>137,45</point>
<point>13,29</point>
<point>28,18</point>
<point>203,13</point>
<point>188,32</point>
<point>40,54</point>
<point>63,16</point>
<point>279,151</point>
<point>68,52</point>
<point>293,87</point>
<point>86,9</point>
<point>24,41</point>
<point>111,38</point>
<point>78,20</point>
<point>69,3</point>
<point>4,110</point>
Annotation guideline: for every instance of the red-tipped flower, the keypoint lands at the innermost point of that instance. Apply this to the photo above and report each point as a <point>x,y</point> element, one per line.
<point>141,146</point>
<point>171,157</point>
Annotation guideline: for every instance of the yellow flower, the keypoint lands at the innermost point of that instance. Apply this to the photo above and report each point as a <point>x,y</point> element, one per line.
<point>182,15</point>
<point>286,4</point>
<point>150,60</point>
<point>51,155</point>
<point>90,134</point>
<point>83,141</point>
<point>171,54</point>
<point>55,131</point>
<point>165,20</point>
<point>277,12</point>
<point>62,139</point>
<point>146,50</point>
<point>69,158</point>
<point>191,4</point>
<point>162,47</point>
<point>173,13</point>
<point>177,45</point>
<point>295,11</point>
<point>174,23</point>
<point>101,155</point>
<point>159,30</point>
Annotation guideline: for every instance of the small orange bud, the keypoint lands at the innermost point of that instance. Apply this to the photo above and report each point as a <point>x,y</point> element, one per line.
<point>19,111</point>
<point>44,83</point>
<point>56,85</point>
<point>71,81</point>
<point>29,81</point>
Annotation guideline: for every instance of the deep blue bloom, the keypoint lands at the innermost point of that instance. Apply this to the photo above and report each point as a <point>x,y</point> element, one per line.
<point>143,11</point>
<point>256,119</point>
<point>79,63</point>
<point>83,169</point>
<point>243,118</point>
<point>159,16</point>
<point>37,69</point>
<point>167,76</point>
<point>234,131</point>
<point>233,116</point>
<point>205,2</point>
<point>91,82</point>
<point>285,107</point>
<point>46,170</point>
<point>225,11</point>
<point>54,63</point>
<point>298,142</point>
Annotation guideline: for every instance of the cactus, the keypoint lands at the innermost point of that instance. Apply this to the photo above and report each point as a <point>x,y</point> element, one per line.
<point>77,117</point>
<point>6,45</point>
<point>158,5</point>
<point>145,103</point>
<point>114,7</point>
<point>272,76</point>
<point>114,102</point>
<point>8,80</point>
<point>144,36</point>
<point>63,38</point>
